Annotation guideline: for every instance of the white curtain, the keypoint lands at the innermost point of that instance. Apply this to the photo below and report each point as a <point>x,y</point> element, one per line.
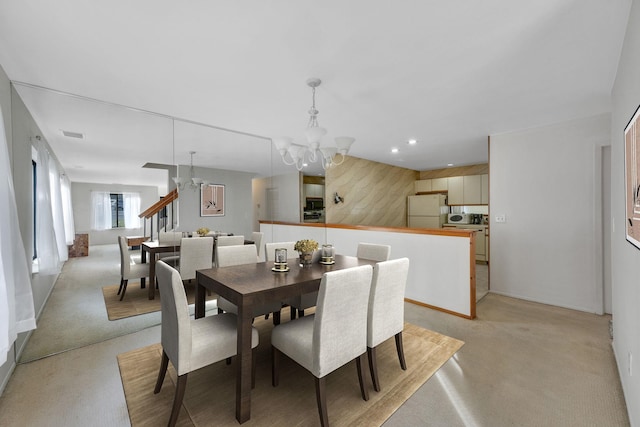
<point>47,245</point>
<point>67,210</point>
<point>16,300</point>
<point>131,202</point>
<point>101,210</point>
<point>58,213</point>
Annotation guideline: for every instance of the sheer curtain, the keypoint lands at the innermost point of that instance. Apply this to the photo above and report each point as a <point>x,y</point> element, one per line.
<point>48,255</point>
<point>67,210</point>
<point>100,210</point>
<point>58,213</point>
<point>131,202</point>
<point>16,300</point>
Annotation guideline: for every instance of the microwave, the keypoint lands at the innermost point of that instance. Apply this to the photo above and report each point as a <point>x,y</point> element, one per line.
<point>458,219</point>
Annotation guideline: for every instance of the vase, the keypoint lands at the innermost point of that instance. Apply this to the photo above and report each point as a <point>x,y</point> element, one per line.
<point>306,259</point>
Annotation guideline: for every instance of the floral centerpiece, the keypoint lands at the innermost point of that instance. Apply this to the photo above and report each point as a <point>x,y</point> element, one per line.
<point>306,247</point>
<point>202,231</point>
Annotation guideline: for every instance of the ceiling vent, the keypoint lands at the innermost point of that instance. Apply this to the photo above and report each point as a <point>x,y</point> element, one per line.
<point>73,134</point>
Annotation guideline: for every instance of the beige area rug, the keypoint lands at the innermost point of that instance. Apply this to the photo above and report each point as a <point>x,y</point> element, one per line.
<point>136,301</point>
<point>210,395</point>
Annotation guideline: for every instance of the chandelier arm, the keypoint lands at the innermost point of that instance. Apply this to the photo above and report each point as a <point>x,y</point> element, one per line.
<point>334,163</point>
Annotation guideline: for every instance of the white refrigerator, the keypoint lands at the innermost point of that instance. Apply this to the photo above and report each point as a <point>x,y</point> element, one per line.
<point>427,211</point>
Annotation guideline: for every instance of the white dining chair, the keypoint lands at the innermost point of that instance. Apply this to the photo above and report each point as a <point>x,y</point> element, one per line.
<point>333,336</point>
<point>195,254</point>
<point>191,344</point>
<point>129,269</point>
<point>170,238</point>
<point>373,251</point>
<point>257,237</point>
<point>385,318</point>
<point>298,304</point>
<point>226,241</point>
<point>229,256</point>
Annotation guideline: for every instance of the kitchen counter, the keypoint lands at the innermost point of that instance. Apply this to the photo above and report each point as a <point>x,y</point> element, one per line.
<point>467,226</point>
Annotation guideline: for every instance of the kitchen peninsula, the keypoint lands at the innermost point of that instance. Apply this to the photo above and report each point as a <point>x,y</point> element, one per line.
<point>442,273</point>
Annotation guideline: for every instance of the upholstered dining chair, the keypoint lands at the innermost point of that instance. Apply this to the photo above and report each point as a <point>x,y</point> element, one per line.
<point>322,342</point>
<point>129,269</point>
<point>195,254</point>
<point>298,303</point>
<point>373,251</point>
<point>229,256</point>
<point>257,237</point>
<point>191,344</point>
<point>386,310</point>
<point>226,241</point>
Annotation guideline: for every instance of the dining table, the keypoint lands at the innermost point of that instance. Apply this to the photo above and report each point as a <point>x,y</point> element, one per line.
<point>152,249</point>
<point>247,285</point>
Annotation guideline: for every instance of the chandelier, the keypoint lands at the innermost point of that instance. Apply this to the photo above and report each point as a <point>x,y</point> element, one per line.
<point>298,155</point>
<point>192,182</point>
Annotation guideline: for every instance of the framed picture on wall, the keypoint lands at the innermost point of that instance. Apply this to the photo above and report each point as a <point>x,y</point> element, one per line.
<point>632,178</point>
<point>212,200</point>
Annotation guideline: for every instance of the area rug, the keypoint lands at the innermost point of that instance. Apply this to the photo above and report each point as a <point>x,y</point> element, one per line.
<point>136,301</point>
<point>210,395</point>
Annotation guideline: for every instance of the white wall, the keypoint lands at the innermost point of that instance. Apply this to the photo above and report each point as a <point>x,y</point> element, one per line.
<point>238,218</point>
<point>547,181</point>
<point>81,199</point>
<point>625,258</point>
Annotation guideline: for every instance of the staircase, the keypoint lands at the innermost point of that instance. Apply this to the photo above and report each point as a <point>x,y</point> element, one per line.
<point>153,214</point>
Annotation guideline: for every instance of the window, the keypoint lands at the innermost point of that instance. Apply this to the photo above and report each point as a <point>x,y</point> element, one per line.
<point>117,210</point>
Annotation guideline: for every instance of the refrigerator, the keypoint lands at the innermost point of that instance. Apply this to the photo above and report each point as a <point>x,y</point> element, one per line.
<point>427,211</point>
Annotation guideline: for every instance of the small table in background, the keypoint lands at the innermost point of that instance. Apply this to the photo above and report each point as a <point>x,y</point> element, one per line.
<point>135,241</point>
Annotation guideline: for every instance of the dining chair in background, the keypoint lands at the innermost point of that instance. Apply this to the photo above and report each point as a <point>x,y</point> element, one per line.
<point>229,256</point>
<point>257,237</point>
<point>226,241</point>
<point>129,269</point>
<point>385,318</point>
<point>170,238</point>
<point>321,343</point>
<point>300,303</point>
<point>191,344</point>
<point>373,251</point>
<point>195,254</point>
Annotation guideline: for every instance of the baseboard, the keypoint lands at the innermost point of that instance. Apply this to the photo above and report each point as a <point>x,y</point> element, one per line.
<point>8,374</point>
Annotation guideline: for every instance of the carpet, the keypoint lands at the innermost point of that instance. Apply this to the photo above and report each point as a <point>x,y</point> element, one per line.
<point>210,394</point>
<point>136,301</point>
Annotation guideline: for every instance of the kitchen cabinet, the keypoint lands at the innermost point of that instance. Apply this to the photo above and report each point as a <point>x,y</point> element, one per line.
<point>485,189</point>
<point>455,187</point>
<point>422,186</point>
<point>472,189</point>
<point>439,184</point>
<point>313,190</point>
<point>482,239</point>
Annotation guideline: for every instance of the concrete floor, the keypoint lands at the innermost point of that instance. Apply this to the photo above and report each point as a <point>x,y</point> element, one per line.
<point>523,364</point>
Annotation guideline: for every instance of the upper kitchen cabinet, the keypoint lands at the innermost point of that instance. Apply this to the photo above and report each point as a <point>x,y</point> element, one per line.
<point>468,190</point>
<point>440,184</point>
<point>431,185</point>
<point>422,186</point>
<point>455,185</point>
<point>314,190</point>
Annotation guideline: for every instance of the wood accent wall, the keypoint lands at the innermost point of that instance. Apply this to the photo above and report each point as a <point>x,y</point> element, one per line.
<point>456,171</point>
<point>373,193</point>
<point>310,179</point>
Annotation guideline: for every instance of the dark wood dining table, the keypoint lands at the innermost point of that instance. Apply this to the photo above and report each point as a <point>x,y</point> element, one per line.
<point>251,284</point>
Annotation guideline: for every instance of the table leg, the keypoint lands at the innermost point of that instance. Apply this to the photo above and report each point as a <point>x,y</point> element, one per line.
<point>200,300</point>
<point>152,276</point>
<point>243,373</point>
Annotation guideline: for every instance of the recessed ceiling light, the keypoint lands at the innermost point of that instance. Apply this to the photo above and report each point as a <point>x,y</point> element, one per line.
<point>304,165</point>
<point>412,141</point>
<point>450,164</point>
<point>394,150</point>
<point>70,134</point>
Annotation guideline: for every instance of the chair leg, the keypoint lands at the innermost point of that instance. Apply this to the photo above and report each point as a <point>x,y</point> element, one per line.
<point>120,288</point>
<point>300,313</point>
<point>361,377</point>
<point>124,288</point>
<point>143,281</point>
<point>276,317</point>
<point>253,367</point>
<point>275,365</point>
<point>228,359</point>
<point>373,367</point>
<point>177,399</point>
<point>400,349</point>
<point>321,398</point>
<point>163,370</point>
<point>293,313</point>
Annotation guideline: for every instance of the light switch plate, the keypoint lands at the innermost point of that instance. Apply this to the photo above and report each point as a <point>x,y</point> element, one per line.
<point>501,218</point>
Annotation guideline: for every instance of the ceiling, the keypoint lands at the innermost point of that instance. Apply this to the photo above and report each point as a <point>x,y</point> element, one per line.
<point>445,73</point>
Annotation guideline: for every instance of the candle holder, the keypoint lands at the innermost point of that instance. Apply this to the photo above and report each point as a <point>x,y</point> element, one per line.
<point>280,263</point>
<point>328,255</point>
